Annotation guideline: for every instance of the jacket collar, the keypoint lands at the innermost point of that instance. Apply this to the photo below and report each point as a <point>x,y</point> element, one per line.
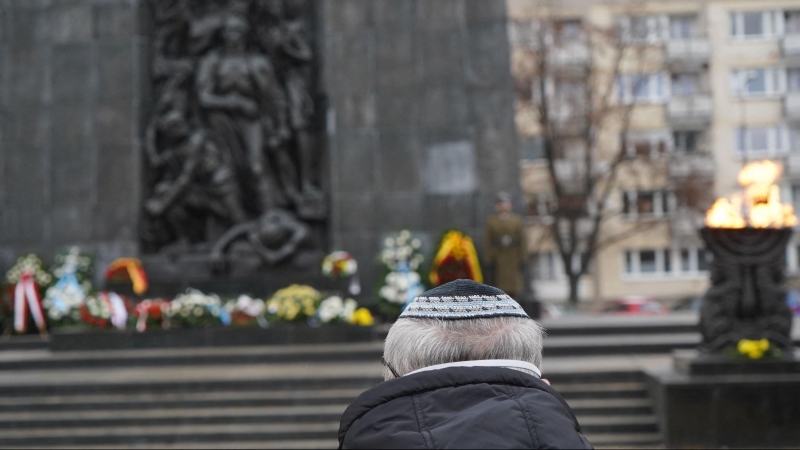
<point>505,363</point>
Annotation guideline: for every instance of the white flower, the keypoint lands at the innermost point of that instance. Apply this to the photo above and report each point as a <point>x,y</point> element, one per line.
<point>389,242</point>
<point>416,243</point>
<point>350,307</point>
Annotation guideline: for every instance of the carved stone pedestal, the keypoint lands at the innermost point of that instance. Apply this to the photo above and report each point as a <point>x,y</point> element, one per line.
<point>715,402</point>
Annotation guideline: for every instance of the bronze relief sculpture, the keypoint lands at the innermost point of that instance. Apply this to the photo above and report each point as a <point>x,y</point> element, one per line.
<point>231,150</point>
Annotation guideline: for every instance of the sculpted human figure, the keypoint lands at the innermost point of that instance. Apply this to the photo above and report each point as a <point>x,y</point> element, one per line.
<point>296,48</point>
<point>245,106</point>
<point>274,236</point>
<point>201,178</point>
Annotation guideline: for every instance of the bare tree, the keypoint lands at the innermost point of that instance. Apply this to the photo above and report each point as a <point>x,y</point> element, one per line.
<point>583,82</point>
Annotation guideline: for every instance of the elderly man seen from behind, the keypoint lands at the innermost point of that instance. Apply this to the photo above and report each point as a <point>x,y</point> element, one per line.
<point>462,371</point>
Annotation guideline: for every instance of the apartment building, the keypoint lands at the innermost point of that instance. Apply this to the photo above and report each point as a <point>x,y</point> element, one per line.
<point>722,87</point>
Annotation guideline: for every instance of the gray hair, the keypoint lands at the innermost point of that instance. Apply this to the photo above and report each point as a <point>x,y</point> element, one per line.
<point>413,344</point>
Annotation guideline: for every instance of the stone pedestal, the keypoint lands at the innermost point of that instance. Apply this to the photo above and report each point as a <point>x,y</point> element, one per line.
<point>714,402</point>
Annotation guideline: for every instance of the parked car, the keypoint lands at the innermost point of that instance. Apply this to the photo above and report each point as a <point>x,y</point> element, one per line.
<point>692,303</point>
<point>634,306</point>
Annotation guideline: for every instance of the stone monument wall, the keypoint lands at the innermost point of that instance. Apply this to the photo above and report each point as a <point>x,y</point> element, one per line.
<point>417,102</point>
<point>421,125</point>
<point>71,90</point>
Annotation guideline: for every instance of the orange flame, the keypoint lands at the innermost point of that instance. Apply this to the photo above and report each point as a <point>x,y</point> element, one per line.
<point>759,207</point>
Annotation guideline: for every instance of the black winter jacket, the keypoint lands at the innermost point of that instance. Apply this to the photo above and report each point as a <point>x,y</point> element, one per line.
<point>461,407</point>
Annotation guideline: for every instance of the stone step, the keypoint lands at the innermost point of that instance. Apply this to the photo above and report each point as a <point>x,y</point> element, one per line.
<point>169,434</point>
<point>43,359</point>
<point>643,423</point>
<point>144,401</point>
<point>619,344</point>
<point>176,416</point>
<point>632,440</point>
<point>605,391</point>
<point>601,324</point>
<point>24,342</point>
<point>612,406</point>
<point>190,379</point>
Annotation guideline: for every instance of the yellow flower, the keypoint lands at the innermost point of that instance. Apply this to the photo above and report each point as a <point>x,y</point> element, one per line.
<point>362,317</point>
<point>753,349</point>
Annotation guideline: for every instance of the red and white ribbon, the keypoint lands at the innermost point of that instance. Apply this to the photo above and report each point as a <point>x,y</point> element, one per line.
<point>119,313</point>
<point>25,295</point>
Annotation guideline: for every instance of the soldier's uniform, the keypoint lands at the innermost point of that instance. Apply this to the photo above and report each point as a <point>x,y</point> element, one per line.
<point>504,244</point>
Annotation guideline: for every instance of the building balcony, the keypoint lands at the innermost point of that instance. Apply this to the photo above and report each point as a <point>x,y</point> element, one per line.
<point>793,166</point>
<point>569,55</point>
<point>791,106</point>
<point>683,165</point>
<point>690,110</point>
<point>688,54</point>
<point>790,46</point>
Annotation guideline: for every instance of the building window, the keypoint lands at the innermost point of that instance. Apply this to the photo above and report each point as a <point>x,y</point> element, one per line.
<point>791,20</point>
<point>793,80</point>
<point>541,205</point>
<point>795,192</point>
<point>647,203</point>
<point>685,84</point>
<point>644,29</point>
<point>761,141</point>
<point>686,141</point>
<point>647,262</point>
<point>756,24</point>
<point>532,148</point>
<point>658,262</point>
<point>567,31</point>
<point>683,27</point>
<point>686,260</point>
<point>794,139</point>
<point>757,82</point>
<point>642,88</point>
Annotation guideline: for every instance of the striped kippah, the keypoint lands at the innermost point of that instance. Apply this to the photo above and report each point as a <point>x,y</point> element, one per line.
<point>463,299</point>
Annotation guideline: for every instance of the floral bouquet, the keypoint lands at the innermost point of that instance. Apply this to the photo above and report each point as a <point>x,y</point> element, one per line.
<point>339,265</point>
<point>62,302</point>
<point>26,280</point>
<point>455,259</point>
<point>195,309</point>
<point>245,311</point>
<point>77,263</point>
<point>401,258</point>
<point>754,350</point>
<point>151,313</point>
<point>335,310</point>
<point>294,303</point>
<point>106,310</point>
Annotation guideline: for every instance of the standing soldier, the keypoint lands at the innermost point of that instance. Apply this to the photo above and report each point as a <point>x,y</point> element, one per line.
<point>504,242</point>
